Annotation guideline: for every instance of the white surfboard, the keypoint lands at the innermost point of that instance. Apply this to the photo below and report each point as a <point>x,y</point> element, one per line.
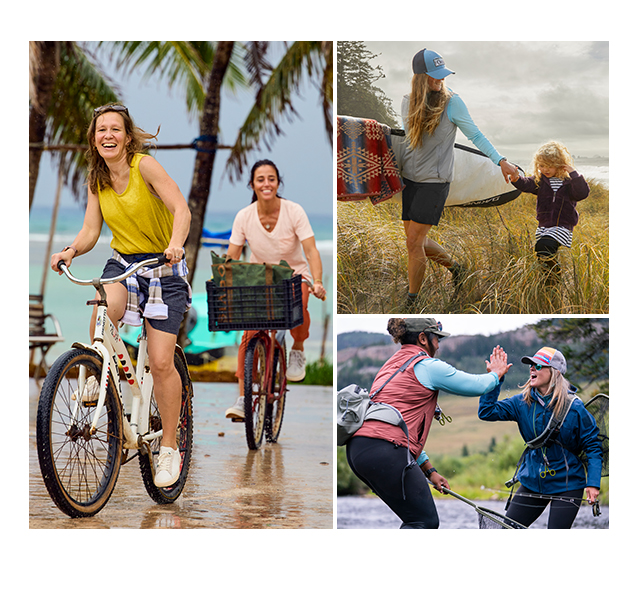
<point>477,181</point>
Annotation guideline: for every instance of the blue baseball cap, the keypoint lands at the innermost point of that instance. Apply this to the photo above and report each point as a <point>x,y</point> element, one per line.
<point>430,63</point>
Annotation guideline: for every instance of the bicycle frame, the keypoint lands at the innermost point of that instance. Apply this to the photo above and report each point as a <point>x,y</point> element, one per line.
<point>108,344</point>
<point>272,340</point>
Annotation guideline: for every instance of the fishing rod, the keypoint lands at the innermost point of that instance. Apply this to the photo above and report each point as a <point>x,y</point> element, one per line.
<point>595,506</point>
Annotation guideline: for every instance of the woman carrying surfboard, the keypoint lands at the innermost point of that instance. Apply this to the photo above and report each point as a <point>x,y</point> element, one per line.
<point>431,115</point>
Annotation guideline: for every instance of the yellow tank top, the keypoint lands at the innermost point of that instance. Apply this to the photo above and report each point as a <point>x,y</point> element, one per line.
<point>139,221</point>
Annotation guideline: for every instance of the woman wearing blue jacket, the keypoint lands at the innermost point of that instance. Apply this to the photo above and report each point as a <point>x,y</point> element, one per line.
<point>550,470</point>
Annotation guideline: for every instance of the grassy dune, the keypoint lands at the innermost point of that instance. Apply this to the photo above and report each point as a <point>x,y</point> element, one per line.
<point>495,245</point>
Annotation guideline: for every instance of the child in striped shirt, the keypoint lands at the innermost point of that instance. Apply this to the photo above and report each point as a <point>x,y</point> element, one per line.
<point>558,187</point>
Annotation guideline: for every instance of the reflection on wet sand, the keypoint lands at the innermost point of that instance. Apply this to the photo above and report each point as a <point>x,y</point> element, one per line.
<point>283,485</point>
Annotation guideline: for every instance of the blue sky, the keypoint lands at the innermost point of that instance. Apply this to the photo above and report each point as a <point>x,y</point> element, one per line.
<point>303,154</point>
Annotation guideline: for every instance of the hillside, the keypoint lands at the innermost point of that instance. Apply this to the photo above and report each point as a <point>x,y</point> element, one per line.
<point>359,363</point>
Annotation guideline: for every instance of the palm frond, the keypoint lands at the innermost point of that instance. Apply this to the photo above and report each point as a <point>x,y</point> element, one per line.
<point>274,101</point>
<point>181,63</point>
<point>80,86</point>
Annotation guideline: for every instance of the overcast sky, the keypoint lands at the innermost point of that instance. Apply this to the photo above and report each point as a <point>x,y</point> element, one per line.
<point>453,324</point>
<point>520,94</point>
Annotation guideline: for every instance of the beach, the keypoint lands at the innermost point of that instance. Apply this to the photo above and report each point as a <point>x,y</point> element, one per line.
<point>67,302</point>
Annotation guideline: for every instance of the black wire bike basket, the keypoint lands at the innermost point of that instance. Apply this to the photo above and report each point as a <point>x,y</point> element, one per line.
<point>237,308</point>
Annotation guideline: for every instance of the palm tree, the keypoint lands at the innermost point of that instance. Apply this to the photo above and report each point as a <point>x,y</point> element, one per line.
<point>64,86</point>
<point>201,68</point>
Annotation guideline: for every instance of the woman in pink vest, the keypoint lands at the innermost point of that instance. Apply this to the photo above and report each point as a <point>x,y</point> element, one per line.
<point>377,452</point>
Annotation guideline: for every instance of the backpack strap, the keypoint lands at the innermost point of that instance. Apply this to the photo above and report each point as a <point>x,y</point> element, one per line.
<point>400,420</point>
<point>401,369</point>
<point>551,431</point>
<point>546,438</point>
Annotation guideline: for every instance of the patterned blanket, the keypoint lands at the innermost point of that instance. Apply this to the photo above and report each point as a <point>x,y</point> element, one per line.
<point>366,163</point>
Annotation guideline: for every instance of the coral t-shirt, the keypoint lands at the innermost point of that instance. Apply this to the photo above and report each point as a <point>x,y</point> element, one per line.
<point>283,243</point>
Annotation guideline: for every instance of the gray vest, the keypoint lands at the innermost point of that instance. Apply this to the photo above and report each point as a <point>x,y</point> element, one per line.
<point>433,162</point>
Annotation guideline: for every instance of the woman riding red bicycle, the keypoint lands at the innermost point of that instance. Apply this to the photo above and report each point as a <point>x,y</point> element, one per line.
<point>276,229</point>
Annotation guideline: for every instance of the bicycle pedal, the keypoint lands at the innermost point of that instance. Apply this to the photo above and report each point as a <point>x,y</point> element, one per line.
<point>237,420</point>
<point>90,403</point>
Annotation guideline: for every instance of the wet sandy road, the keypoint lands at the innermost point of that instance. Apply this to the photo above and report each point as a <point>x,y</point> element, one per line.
<point>283,485</point>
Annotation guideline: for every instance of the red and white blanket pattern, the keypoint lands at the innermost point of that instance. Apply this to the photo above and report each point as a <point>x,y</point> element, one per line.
<point>367,166</point>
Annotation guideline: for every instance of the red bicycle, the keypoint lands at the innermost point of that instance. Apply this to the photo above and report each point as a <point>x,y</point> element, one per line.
<point>269,310</point>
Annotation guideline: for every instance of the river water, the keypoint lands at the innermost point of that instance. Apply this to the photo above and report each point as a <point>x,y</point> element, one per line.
<point>371,513</point>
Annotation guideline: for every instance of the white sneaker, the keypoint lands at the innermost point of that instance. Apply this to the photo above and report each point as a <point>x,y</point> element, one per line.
<point>295,366</point>
<point>237,410</point>
<point>91,390</point>
<point>168,467</point>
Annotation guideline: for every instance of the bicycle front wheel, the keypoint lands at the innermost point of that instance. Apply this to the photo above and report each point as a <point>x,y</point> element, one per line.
<point>255,391</point>
<point>275,407</point>
<point>80,467</point>
<point>184,436</point>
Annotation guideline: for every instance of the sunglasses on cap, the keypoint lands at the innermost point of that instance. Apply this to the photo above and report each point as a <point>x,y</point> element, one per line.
<point>439,326</point>
<point>110,108</point>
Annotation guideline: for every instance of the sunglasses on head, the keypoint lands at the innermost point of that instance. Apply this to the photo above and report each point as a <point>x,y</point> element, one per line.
<point>110,108</point>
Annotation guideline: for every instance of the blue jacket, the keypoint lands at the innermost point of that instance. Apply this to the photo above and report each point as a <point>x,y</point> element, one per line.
<point>578,432</point>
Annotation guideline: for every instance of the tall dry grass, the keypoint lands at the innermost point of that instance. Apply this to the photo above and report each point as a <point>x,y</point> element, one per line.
<point>496,247</point>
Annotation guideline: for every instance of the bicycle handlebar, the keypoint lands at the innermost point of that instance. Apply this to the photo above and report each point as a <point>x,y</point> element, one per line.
<point>311,286</point>
<point>156,261</point>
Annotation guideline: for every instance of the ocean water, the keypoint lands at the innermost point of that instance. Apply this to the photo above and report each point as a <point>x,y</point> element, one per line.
<point>67,302</point>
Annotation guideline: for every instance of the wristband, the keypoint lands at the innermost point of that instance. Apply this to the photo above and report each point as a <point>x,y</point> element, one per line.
<point>70,247</point>
<point>430,472</point>
<point>317,281</point>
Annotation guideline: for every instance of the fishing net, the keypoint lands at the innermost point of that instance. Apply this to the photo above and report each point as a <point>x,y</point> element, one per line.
<point>599,408</point>
<point>490,520</point>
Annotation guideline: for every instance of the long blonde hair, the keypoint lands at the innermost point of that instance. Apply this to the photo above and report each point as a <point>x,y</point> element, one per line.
<point>99,175</point>
<point>554,155</point>
<point>425,109</point>
<point>558,385</point>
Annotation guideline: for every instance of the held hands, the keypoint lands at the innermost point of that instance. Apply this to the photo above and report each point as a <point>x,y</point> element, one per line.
<point>509,171</point>
<point>498,362</point>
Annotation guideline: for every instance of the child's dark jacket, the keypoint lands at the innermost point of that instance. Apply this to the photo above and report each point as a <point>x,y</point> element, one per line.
<point>557,210</point>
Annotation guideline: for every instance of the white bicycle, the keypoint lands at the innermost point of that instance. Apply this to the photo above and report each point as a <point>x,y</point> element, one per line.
<point>94,409</point>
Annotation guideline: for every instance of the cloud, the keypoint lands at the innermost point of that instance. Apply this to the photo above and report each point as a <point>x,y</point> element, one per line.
<point>520,94</point>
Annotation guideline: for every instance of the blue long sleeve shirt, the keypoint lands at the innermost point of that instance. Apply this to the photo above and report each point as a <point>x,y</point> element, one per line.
<point>458,114</point>
<point>437,375</point>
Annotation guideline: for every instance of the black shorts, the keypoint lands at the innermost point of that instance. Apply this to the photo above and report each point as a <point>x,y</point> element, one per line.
<point>175,293</point>
<point>423,202</point>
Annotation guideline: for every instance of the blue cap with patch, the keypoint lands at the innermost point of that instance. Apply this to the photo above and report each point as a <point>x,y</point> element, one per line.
<point>430,63</point>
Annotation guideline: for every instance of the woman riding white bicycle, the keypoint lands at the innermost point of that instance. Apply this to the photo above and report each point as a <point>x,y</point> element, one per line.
<point>147,215</point>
